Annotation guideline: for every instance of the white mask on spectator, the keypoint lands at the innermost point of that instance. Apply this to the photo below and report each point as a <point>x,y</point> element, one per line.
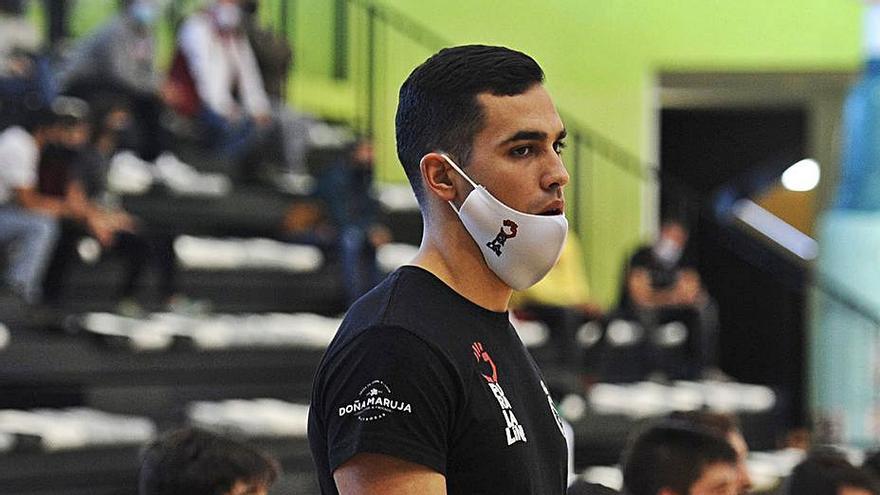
<point>227,16</point>
<point>667,251</point>
<point>519,247</point>
<point>143,12</point>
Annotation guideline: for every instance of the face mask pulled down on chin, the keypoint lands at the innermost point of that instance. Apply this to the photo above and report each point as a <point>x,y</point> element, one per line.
<point>520,248</point>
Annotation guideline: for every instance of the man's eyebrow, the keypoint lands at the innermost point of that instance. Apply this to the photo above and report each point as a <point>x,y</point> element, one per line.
<point>526,136</point>
<point>531,136</point>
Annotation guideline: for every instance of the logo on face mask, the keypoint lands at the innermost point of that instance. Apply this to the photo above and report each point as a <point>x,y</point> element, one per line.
<point>498,242</point>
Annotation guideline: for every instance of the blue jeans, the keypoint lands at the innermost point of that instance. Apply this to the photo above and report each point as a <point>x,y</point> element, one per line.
<point>360,272</point>
<point>225,137</point>
<point>29,240</point>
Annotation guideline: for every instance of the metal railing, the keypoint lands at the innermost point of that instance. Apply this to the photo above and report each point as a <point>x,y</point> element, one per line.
<point>587,148</point>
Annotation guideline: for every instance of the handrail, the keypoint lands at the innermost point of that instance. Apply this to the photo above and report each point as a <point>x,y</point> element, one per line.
<point>583,139</point>
<point>580,134</point>
<point>428,38</point>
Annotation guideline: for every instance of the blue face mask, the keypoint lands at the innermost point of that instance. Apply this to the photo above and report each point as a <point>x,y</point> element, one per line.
<point>144,13</point>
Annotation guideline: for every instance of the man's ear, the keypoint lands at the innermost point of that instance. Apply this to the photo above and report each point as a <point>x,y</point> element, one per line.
<point>668,491</point>
<point>437,177</point>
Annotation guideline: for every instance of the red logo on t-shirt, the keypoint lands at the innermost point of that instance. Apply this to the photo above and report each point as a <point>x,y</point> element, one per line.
<point>486,361</point>
<point>513,430</point>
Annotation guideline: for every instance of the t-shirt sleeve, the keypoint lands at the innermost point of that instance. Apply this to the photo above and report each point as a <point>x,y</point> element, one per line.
<point>389,392</point>
<point>18,162</point>
<point>642,258</point>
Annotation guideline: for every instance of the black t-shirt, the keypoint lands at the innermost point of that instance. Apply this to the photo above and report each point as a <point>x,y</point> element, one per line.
<point>90,168</point>
<point>418,372</point>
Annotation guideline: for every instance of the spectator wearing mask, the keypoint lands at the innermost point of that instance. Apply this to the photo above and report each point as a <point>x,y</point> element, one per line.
<point>196,462</point>
<point>114,229</point>
<point>111,119</point>
<point>673,459</point>
<point>216,80</point>
<point>26,81</point>
<point>345,189</point>
<point>28,219</point>
<point>118,61</point>
<point>661,279</point>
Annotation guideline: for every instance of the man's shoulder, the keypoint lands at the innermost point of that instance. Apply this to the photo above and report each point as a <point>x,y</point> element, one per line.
<point>642,256</point>
<point>17,134</point>
<point>17,140</point>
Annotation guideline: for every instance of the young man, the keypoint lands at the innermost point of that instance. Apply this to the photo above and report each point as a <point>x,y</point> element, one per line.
<point>827,472</point>
<point>726,427</point>
<point>196,462</point>
<point>660,281</point>
<point>28,219</point>
<point>670,459</point>
<point>427,388</point>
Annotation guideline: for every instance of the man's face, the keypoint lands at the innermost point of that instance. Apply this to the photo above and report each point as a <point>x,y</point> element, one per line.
<point>719,478</point>
<point>75,136</point>
<point>516,154</point>
<point>675,233</point>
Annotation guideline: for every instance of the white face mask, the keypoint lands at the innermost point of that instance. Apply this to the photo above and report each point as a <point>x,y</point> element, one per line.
<point>520,248</point>
<point>667,251</point>
<point>227,16</point>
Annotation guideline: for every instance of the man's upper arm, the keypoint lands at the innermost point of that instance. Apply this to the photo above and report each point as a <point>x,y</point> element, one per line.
<point>390,394</point>
<point>369,474</point>
<point>639,286</point>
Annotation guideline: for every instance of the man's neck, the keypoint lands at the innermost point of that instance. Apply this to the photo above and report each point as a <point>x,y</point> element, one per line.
<point>451,255</point>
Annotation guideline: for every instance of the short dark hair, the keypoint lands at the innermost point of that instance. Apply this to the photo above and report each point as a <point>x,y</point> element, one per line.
<point>671,456</point>
<point>718,423</point>
<point>38,118</point>
<point>438,108</point>
<point>824,472</point>
<point>192,461</point>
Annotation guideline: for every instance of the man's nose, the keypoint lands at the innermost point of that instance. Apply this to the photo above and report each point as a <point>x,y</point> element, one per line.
<point>556,176</point>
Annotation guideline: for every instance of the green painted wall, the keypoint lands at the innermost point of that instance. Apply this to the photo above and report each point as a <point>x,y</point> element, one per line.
<point>600,57</point>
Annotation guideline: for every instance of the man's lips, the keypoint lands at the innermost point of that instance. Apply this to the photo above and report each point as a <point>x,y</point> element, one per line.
<point>555,208</point>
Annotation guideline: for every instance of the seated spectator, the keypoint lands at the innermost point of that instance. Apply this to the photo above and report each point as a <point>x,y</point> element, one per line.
<point>195,462</point>
<point>726,427</point>
<point>660,280</point>
<point>827,472</point>
<point>345,189</point>
<point>215,79</point>
<point>28,219</point>
<point>110,119</point>
<point>671,459</point>
<point>273,53</point>
<point>561,300</point>
<point>118,61</point>
<point>25,79</point>
<point>66,172</point>
<point>274,57</point>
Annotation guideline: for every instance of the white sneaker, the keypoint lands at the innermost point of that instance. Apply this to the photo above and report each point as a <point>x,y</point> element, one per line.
<point>183,179</point>
<point>128,174</point>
